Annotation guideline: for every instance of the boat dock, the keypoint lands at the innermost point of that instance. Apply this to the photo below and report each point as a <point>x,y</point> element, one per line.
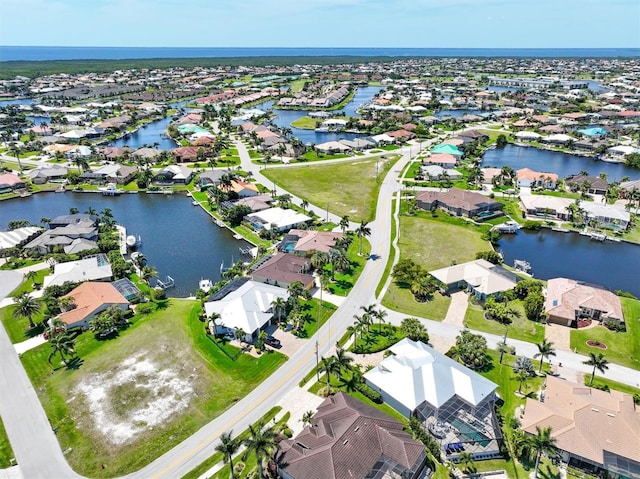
<point>509,227</point>
<point>166,284</point>
<point>122,239</point>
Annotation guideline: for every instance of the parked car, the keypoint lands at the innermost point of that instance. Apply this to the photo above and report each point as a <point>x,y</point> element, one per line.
<point>271,341</point>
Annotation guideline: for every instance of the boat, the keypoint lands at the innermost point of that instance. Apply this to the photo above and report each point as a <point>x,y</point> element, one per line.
<point>237,236</point>
<point>205,285</point>
<point>110,190</point>
<point>598,236</point>
<point>522,266</point>
<point>195,203</point>
<point>131,241</point>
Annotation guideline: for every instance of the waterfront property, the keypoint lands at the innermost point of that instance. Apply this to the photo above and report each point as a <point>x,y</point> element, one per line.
<point>459,202</point>
<point>347,438</point>
<point>534,179</point>
<point>573,303</point>
<point>282,269</point>
<point>10,182</point>
<point>18,237</point>
<point>111,173</point>
<point>89,300</point>
<point>247,308</point>
<point>594,430</point>
<point>480,277</point>
<point>47,174</point>
<point>173,175</point>
<point>73,238</point>
<point>277,219</point>
<point>305,241</point>
<point>455,404</point>
<point>95,268</point>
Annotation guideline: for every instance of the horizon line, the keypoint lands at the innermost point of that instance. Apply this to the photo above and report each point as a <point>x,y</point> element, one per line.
<point>329,47</point>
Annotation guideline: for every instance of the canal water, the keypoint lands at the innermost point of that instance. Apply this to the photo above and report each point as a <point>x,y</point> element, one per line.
<point>571,255</point>
<point>149,135</point>
<point>458,113</point>
<point>178,239</point>
<point>562,164</point>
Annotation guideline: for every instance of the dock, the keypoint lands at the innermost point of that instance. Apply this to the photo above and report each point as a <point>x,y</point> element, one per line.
<point>122,239</point>
<point>166,284</point>
<point>509,227</point>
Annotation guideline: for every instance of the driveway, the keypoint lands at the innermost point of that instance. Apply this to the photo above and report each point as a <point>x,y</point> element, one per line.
<point>457,309</point>
<point>559,335</point>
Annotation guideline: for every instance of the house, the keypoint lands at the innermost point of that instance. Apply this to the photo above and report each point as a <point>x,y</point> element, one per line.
<point>558,139</point>
<point>89,300</point>
<point>18,237</point>
<point>528,136</point>
<point>480,277</point>
<point>247,308</point>
<point>358,144</point>
<point>243,189</point>
<point>306,241</point>
<point>115,173</point>
<point>10,182</point>
<point>255,203</point>
<point>441,159</point>
<point>282,269</point>
<point>456,405</point>
<point>277,219</point>
<point>546,207</point>
<point>446,149</point>
<point>77,219</point>
<point>73,238</point>
<point>332,147</point>
<point>383,139</point>
<point>401,135</point>
<point>608,216</point>
<point>173,175</point>
<point>95,268</point>
<point>459,202</point>
<point>533,179</point>
<point>438,172</point>
<point>596,431</point>
<point>210,178</point>
<point>349,439</point>
<point>568,301</point>
<point>594,185</point>
<point>185,153</point>
<point>46,174</point>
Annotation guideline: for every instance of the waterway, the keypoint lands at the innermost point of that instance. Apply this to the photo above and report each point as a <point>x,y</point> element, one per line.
<point>149,135</point>
<point>571,255</point>
<point>178,239</point>
<point>562,164</point>
<point>458,113</point>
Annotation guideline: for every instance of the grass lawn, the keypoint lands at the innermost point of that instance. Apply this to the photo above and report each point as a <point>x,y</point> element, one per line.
<point>18,328</point>
<point>27,285</point>
<point>348,188</point>
<point>600,381</point>
<point>437,242</point>
<point>344,281</point>
<point>172,339</point>
<point>318,156</point>
<point>310,313</point>
<point>304,123</point>
<point>297,85</point>
<point>521,328</point>
<point>6,453</point>
<point>401,299</point>
<point>377,339</point>
<point>622,348</point>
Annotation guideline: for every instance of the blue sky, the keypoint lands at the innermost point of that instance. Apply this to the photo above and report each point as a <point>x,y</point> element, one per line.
<point>322,23</point>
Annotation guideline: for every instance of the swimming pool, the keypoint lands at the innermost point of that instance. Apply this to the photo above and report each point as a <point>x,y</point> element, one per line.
<point>469,433</point>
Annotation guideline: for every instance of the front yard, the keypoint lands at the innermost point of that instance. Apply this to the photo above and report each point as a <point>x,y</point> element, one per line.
<point>132,398</point>
<point>521,328</point>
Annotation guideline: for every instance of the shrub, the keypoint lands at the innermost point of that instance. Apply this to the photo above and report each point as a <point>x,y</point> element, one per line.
<point>160,294</point>
<point>145,308</point>
<point>365,390</point>
<point>532,225</point>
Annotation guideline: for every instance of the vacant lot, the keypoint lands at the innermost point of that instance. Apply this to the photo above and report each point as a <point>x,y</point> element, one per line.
<point>136,396</point>
<point>348,188</point>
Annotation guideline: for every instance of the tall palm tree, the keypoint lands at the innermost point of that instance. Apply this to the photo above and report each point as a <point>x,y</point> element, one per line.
<point>306,418</point>
<point>329,366</point>
<point>369,314</point>
<point>279,306</point>
<point>466,461</point>
<point>502,349</point>
<point>147,273</point>
<point>541,442</point>
<point>380,314</point>
<point>304,205</point>
<point>522,375</point>
<point>598,362</point>
<point>61,344</point>
<point>342,360</point>
<point>344,223</point>
<point>355,329</point>
<point>295,290</point>
<point>262,442</point>
<point>319,259</point>
<point>545,349</point>
<point>362,231</point>
<point>27,307</point>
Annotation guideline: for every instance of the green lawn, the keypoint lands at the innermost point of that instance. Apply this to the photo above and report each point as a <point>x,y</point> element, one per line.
<point>521,328</point>
<point>312,312</point>
<point>172,338</point>
<point>622,348</point>
<point>599,381</point>
<point>318,156</point>
<point>347,188</point>
<point>345,280</point>
<point>441,241</point>
<point>401,299</point>
<point>377,339</point>
<point>18,328</point>
<point>27,285</point>
<point>304,123</point>
<point>6,453</point>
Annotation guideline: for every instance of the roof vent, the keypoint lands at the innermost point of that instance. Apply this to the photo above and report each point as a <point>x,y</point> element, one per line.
<point>611,414</point>
<point>595,410</point>
<point>357,427</point>
<point>345,442</point>
<point>301,445</point>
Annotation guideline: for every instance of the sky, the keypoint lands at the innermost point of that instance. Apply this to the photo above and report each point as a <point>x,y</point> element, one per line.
<point>322,23</point>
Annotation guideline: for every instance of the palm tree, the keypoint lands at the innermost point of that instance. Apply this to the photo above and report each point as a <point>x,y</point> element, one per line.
<point>522,375</point>
<point>361,231</point>
<point>329,366</point>
<point>147,273</point>
<point>304,206</point>
<point>61,344</point>
<point>598,362</point>
<point>27,307</point>
<point>30,275</point>
<point>545,349</point>
<point>279,306</point>
<point>344,223</point>
<point>380,314</point>
<point>355,329</point>
<point>319,259</point>
<point>306,418</point>
<point>295,290</point>
<point>369,314</point>
<point>502,348</point>
<point>541,442</point>
<point>262,442</point>
<point>342,360</point>
<point>466,461</point>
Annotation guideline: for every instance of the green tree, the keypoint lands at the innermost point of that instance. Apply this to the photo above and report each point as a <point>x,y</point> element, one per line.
<point>261,441</point>
<point>465,459</point>
<point>540,443</point>
<point>534,306</point>
<point>27,307</point>
<point>362,231</point>
<point>598,362</point>
<point>545,349</point>
<point>279,307</point>
<point>147,273</point>
<point>470,349</point>
<point>228,447</point>
<point>343,360</point>
<point>413,329</point>
<point>306,418</point>
<point>61,343</point>
<point>344,223</point>
<point>329,366</point>
<point>501,140</point>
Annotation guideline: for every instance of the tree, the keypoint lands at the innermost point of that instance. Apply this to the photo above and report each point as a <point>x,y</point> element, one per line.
<point>279,307</point>
<point>228,447</point>
<point>491,256</point>
<point>62,344</point>
<point>502,349</point>
<point>534,306</point>
<point>262,442</point>
<point>598,362</point>
<point>344,223</point>
<point>147,273</point>
<point>470,349</point>
<point>362,231</point>
<point>235,215</point>
<point>343,361</point>
<point>541,442</point>
<point>295,290</point>
<point>466,461</point>
<point>413,329</point>
<point>259,343</point>
<point>545,349</point>
<point>304,205</point>
<point>501,140</point>
<point>521,376</point>
<point>329,366</point>
<point>356,329</point>
<point>306,418</point>
<point>27,307</point>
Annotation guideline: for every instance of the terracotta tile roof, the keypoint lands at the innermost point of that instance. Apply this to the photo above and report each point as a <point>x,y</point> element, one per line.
<point>566,296</point>
<point>309,240</point>
<point>526,173</point>
<point>285,268</point>
<point>88,297</point>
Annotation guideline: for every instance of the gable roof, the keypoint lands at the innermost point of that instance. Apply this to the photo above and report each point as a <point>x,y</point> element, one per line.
<point>347,439</point>
<point>308,240</point>
<point>88,297</point>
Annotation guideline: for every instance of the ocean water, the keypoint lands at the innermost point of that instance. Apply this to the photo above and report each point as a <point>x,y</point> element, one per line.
<point>30,53</point>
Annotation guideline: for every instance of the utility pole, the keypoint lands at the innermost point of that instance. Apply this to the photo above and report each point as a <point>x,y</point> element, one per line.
<point>317,364</point>
<point>327,211</point>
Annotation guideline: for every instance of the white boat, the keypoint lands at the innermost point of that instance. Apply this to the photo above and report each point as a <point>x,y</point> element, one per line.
<point>195,203</point>
<point>131,241</point>
<point>205,285</point>
<point>110,190</point>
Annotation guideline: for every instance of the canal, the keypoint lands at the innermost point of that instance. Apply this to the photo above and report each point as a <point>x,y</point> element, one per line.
<point>178,239</point>
<point>553,254</point>
<point>562,164</point>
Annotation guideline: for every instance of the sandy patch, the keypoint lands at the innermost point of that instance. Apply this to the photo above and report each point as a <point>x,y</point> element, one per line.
<point>133,397</point>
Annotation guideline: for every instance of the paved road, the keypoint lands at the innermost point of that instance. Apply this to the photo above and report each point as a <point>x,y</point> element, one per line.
<point>39,453</point>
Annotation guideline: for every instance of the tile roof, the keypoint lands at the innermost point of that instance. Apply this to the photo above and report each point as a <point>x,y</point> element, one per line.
<point>88,297</point>
<point>566,296</point>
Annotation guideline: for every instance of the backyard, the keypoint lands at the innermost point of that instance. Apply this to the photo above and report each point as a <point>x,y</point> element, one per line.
<point>345,188</point>
<point>520,328</point>
<point>132,398</point>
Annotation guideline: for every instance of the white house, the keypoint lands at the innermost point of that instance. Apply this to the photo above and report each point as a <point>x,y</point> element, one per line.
<point>247,308</point>
<point>96,268</point>
<point>278,219</point>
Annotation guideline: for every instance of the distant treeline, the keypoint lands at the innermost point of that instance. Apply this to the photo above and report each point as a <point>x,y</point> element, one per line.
<point>34,69</point>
